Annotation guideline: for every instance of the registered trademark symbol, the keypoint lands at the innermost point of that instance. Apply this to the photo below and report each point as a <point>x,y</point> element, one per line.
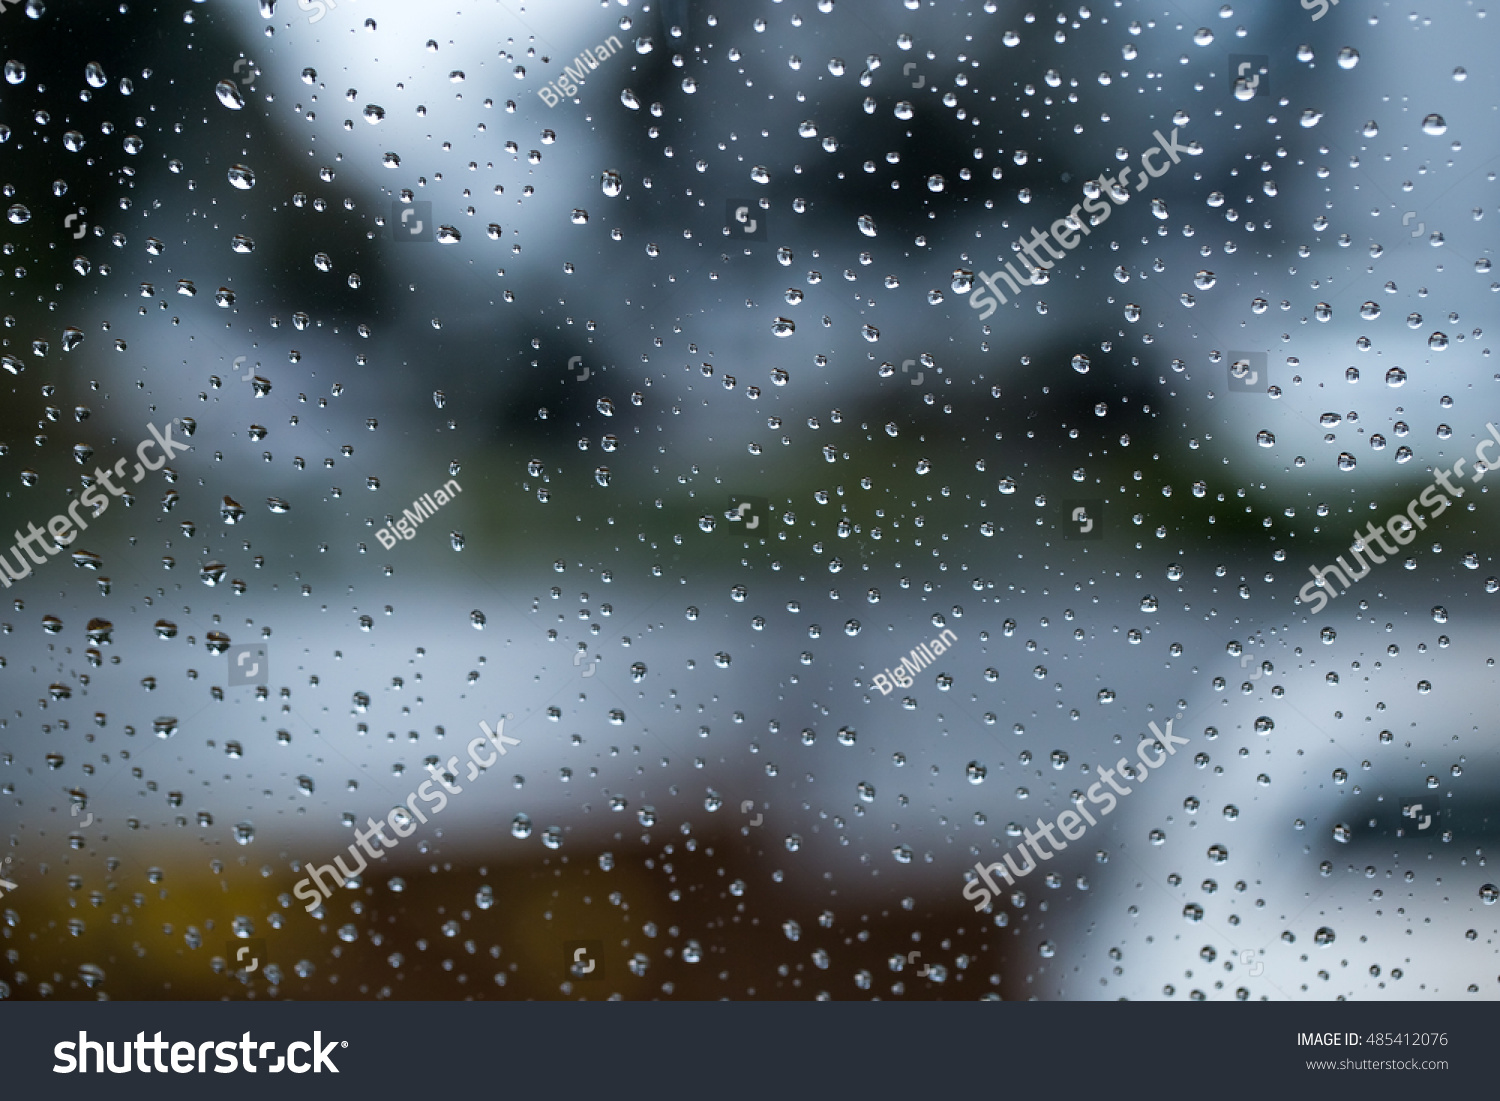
<point>343,1043</point>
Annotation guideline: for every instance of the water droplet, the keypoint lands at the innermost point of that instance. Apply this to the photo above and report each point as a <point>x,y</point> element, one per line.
<point>229,95</point>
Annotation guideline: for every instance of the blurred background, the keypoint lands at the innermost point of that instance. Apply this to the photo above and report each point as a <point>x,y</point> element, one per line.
<point>714,479</point>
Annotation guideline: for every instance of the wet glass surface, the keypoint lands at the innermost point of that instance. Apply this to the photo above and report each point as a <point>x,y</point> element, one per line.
<point>771,500</point>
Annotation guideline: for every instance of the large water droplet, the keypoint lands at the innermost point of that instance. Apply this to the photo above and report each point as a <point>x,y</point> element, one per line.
<point>229,95</point>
